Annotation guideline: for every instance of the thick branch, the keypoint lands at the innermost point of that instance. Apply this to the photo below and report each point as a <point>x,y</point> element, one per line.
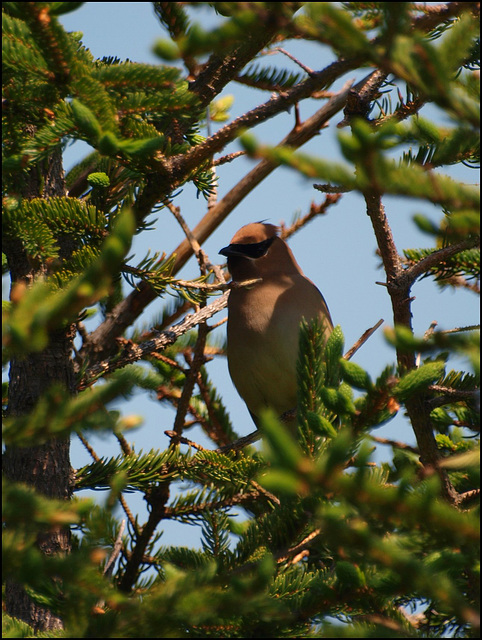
<point>221,69</point>
<point>282,102</point>
<point>435,15</point>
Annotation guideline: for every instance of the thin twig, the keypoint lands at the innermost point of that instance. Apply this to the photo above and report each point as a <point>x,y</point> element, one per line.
<point>426,336</point>
<point>403,112</point>
<point>157,499</point>
<point>202,257</point>
<point>196,247</point>
<point>190,381</point>
<point>395,443</point>
<point>109,565</point>
<point>202,286</point>
<point>228,158</point>
<point>470,327</point>
<point>267,494</point>
<point>212,427</point>
<point>124,445</point>
<point>88,446</point>
<point>175,437</point>
<point>129,514</point>
<point>408,276</point>
<point>315,210</point>
<point>241,443</point>
<point>361,341</point>
<point>291,57</point>
<point>298,547</point>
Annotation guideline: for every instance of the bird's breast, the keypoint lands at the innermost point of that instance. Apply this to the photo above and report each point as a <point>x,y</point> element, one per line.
<point>263,348</point>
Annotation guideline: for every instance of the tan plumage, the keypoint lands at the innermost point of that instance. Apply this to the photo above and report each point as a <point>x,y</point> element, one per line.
<point>264,319</point>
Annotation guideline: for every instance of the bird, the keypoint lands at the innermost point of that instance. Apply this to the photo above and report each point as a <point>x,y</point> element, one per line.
<point>264,318</point>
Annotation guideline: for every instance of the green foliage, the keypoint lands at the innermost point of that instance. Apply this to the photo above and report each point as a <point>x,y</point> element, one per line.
<point>329,24</point>
<point>38,224</point>
<point>43,308</point>
<point>122,109</point>
<point>307,535</point>
<point>269,77</point>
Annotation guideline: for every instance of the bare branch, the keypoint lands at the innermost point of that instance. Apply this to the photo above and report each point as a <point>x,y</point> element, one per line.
<point>394,443</point>
<point>109,565</point>
<point>176,438</point>
<point>191,378</point>
<point>361,341</point>
<point>240,443</point>
<point>295,550</point>
<point>228,158</point>
<point>291,57</point>
<point>315,210</point>
<point>470,327</point>
<point>398,286</point>
<point>133,353</point>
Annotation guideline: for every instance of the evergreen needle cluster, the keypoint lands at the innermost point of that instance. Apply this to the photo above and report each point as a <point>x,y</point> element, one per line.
<point>304,535</point>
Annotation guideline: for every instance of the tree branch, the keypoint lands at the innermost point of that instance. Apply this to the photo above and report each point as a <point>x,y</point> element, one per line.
<point>436,14</point>
<point>133,353</point>
<point>398,287</point>
<point>183,165</point>
<point>409,275</point>
<point>362,339</point>
<point>191,378</point>
<point>221,69</point>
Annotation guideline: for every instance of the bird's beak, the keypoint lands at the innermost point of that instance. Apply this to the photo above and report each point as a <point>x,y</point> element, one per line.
<point>233,250</point>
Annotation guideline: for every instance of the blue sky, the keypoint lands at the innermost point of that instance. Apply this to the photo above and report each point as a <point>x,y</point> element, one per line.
<point>336,251</point>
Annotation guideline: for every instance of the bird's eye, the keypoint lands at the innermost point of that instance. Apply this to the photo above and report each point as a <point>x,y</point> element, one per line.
<point>258,249</point>
<point>253,251</point>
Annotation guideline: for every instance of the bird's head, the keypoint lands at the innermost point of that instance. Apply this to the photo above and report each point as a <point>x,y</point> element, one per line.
<point>256,250</point>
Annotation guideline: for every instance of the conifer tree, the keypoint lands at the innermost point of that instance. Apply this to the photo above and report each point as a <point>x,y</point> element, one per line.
<point>333,544</point>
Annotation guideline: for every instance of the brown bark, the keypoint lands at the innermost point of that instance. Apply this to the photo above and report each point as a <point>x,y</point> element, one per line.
<point>44,467</point>
<point>399,283</point>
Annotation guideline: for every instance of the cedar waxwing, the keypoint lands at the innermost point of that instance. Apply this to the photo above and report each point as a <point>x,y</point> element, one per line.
<point>264,318</point>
